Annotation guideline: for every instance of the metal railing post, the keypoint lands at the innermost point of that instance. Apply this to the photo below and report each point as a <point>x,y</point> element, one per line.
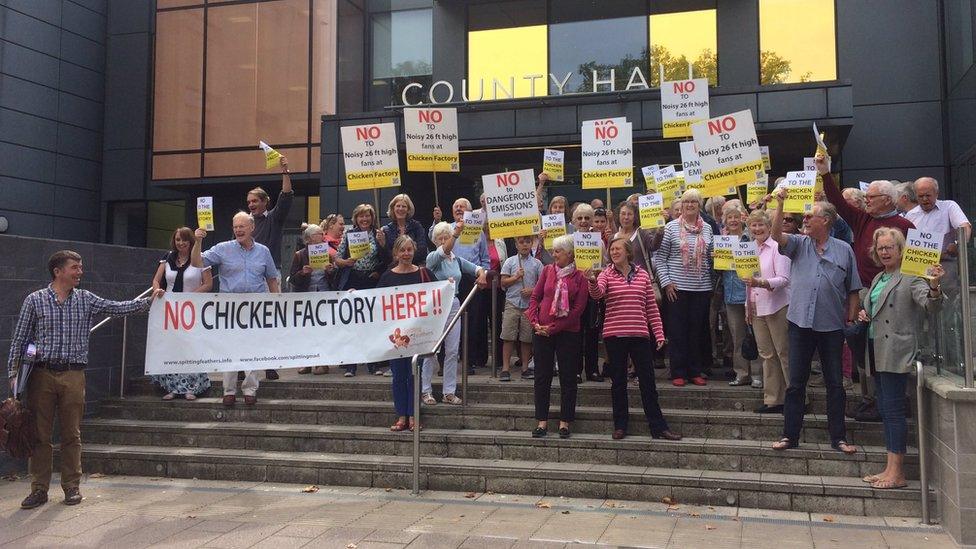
<point>923,474</point>
<point>494,319</point>
<point>416,366</point>
<point>967,319</point>
<point>125,340</point>
<point>464,361</point>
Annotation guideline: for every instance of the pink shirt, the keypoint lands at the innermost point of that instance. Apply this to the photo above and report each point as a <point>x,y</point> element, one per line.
<point>775,268</point>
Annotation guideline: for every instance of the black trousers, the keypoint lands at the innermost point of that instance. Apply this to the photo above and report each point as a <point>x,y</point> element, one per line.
<point>565,346</point>
<point>478,316</point>
<point>641,351</point>
<point>591,339</point>
<point>688,320</point>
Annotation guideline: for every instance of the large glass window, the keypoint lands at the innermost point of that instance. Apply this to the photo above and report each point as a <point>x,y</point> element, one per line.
<point>269,70</point>
<point>797,41</point>
<point>402,52</point>
<point>681,38</point>
<point>507,50</point>
<point>587,37</point>
<point>960,18</point>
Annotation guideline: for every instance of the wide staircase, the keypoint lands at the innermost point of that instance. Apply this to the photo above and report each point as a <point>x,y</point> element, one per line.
<point>330,430</point>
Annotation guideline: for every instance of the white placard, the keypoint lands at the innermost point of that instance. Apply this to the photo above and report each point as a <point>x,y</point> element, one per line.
<point>370,156</point>
<point>683,103</point>
<point>205,217</point>
<point>432,139</point>
<point>511,203</point>
<point>691,165</point>
<point>729,152</point>
<point>607,154</point>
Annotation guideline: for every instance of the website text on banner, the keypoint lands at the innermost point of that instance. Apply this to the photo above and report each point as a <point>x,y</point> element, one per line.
<point>554,164</point>
<point>607,154</point>
<point>190,333</point>
<point>370,156</point>
<point>729,152</point>
<point>683,103</point>
<point>432,140</point>
<point>511,203</point>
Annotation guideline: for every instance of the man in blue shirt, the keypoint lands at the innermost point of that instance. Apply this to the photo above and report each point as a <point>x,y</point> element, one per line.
<point>823,300</point>
<point>244,266</point>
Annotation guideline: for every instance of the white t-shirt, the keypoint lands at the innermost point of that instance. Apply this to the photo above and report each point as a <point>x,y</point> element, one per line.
<point>192,277</point>
<point>943,219</point>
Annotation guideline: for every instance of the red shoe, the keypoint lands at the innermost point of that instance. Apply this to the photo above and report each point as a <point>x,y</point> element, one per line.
<point>700,381</point>
<point>678,382</point>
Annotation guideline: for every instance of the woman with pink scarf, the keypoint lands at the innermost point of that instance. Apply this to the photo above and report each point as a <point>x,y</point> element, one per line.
<point>684,268</point>
<point>555,309</point>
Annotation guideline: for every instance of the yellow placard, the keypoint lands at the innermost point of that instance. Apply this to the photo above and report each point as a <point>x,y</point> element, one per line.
<point>318,256</point>
<point>555,226</point>
<point>679,128</point>
<point>767,161</point>
<point>923,250</point>
<point>553,163</point>
<point>429,162</point>
<point>722,253</point>
<point>718,182</point>
<point>651,208</point>
<point>669,188</point>
<point>473,226</point>
<point>756,190</point>
<point>358,244</point>
<point>372,179</point>
<point>511,228</point>
<point>746,259</point>
<point>588,250</point>
<point>800,192</point>
<point>205,219</point>
<point>608,179</point>
<point>271,156</point>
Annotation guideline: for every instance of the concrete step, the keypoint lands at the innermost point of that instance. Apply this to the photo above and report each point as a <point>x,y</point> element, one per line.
<point>805,493</point>
<point>718,395</point>
<point>709,424</point>
<point>690,453</point>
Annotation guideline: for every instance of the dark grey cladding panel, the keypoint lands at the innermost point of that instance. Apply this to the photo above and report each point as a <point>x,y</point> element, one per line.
<point>77,172</point>
<point>962,114</point>
<point>630,109</point>
<point>123,173</point>
<point>21,223</point>
<point>546,121</point>
<point>129,16</point>
<point>791,105</point>
<point>126,91</point>
<point>81,112</point>
<point>24,195</point>
<point>82,51</point>
<point>894,136</point>
<point>26,163</point>
<point>75,229</point>
<point>486,124</point>
<point>76,203</point>
<point>27,31</point>
<point>82,82</point>
<point>83,20</point>
<point>332,170</point>
<point>852,177</point>
<point>79,142</point>
<point>330,136</point>
<point>28,64</point>
<point>726,104</point>
<point>840,102</point>
<point>28,97</point>
<point>651,113</point>
<point>97,6</point>
<point>45,10</point>
<point>28,130</point>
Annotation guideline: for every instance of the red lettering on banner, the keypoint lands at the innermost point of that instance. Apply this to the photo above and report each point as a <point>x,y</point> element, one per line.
<point>367,132</point>
<point>404,305</point>
<point>434,116</point>
<point>684,87</point>
<point>721,125</point>
<point>386,303</point>
<point>181,315</point>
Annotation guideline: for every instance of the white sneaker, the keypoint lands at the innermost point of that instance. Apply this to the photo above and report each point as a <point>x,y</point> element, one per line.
<point>532,363</point>
<point>757,383</point>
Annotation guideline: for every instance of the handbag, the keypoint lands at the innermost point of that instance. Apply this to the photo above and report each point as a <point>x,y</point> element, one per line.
<point>749,348</point>
<point>18,426</point>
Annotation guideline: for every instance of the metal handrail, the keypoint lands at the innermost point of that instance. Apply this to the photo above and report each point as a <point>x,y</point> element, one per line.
<point>923,474</point>
<point>125,337</point>
<point>415,367</point>
<point>967,311</point>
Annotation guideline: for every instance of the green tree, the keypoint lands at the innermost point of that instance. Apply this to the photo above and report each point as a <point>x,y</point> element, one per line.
<point>775,69</point>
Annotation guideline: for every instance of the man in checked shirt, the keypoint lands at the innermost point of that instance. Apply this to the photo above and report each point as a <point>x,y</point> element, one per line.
<point>52,331</point>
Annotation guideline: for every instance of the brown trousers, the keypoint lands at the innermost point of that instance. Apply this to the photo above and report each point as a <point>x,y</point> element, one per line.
<point>60,394</point>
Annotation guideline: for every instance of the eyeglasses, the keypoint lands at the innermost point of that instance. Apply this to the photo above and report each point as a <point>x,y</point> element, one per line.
<point>873,196</point>
<point>602,212</point>
<point>886,248</point>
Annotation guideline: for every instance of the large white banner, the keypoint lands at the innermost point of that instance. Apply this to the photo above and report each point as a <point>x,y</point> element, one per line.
<point>191,333</point>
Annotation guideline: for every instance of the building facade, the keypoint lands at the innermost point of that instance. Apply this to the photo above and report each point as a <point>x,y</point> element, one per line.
<point>116,114</point>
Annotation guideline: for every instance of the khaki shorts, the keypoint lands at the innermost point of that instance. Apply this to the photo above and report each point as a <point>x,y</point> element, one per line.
<point>515,325</point>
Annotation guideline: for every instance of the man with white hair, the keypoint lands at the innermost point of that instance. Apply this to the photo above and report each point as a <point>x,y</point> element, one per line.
<point>906,198</point>
<point>243,266</point>
<point>941,217</point>
<point>879,211</point>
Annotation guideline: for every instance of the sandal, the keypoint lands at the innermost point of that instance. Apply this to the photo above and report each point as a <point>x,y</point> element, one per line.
<point>885,484</point>
<point>451,399</point>
<point>169,396</point>
<point>400,425</point>
<point>190,396</point>
<point>784,444</point>
<point>413,425</point>
<point>843,446</point>
<point>428,399</point>
<point>870,479</point>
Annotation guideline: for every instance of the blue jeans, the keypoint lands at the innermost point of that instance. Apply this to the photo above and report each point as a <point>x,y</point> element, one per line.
<point>803,343</point>
<point>402,386</point>
<point>890,391</point>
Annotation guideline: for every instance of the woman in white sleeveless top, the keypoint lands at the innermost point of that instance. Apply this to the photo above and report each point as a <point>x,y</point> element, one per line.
<point>175,274</point>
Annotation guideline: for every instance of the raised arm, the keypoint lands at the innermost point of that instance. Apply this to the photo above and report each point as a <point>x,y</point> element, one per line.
<point>196,252</point>
<point>776,231</point>
<point>285,175</point>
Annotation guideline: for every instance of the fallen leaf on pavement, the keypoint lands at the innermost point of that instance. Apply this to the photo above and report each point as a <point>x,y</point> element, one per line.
<point>565,512</point>
<point>311,489</point>
<point>96,475</point>
<point>471,495</point>
<point>668,500</point>
<point>543,505</point>
<point>709,527</point>
<point>696,515</point>
<point>828,519</point>
<point>351,546</point>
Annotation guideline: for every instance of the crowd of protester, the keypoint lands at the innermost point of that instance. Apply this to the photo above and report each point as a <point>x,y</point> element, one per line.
<point>829,285</point>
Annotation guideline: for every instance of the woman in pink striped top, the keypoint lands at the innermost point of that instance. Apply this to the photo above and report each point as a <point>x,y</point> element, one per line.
<point>631,316</point>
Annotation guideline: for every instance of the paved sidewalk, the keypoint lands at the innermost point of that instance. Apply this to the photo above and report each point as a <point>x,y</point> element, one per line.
<point>135,512</point>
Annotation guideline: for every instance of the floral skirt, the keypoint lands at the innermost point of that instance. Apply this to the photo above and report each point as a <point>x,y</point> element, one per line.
<point>182,384</point>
